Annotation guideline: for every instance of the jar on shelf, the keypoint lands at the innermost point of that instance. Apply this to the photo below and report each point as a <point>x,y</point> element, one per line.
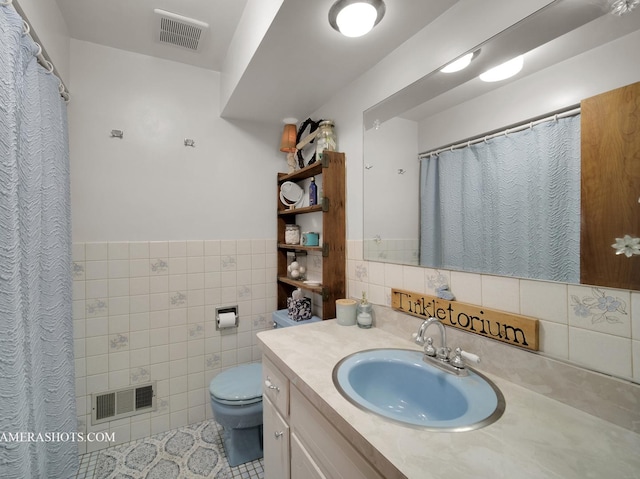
<point>291,234</point>
<point>296,266</point>
<point>326,138</point>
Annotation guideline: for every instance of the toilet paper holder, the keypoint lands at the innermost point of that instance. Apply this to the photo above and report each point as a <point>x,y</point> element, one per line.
<point>226,311</point>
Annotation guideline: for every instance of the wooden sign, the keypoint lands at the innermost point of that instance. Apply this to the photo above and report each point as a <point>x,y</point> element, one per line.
<point>521,331</point>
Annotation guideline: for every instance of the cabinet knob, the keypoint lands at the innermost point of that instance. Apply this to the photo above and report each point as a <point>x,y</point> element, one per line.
<point>270,385</point>
<point>278,434</point>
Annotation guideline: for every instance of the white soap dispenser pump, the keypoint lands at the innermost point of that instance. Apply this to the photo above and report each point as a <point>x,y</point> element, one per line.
<point>364,316</point>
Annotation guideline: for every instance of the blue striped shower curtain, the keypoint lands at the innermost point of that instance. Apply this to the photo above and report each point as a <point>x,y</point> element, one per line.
<point>509,206</point>
<point>37,381</point>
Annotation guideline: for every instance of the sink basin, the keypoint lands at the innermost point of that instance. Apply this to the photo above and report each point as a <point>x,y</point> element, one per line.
<point>398,385</point>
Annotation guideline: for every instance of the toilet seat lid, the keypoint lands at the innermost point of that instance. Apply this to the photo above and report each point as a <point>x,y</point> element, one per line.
<point>238,385</point>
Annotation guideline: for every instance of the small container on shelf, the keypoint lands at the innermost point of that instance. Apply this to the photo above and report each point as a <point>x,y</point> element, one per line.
<point>291,234</point>
<point>326,139</point>
<point>296,266</point>
<point>310,238</point>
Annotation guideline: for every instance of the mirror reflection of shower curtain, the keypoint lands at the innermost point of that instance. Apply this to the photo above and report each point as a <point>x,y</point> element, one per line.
<point>508,206</point>
<point>37,377</point>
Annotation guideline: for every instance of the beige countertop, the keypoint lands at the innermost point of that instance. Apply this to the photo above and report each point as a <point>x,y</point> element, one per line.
<point>537,437</point>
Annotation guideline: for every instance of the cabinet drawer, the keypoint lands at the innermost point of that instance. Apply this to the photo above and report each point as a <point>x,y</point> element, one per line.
<point>275,387</point>
<point>275,442</point>
<point>333,455</point>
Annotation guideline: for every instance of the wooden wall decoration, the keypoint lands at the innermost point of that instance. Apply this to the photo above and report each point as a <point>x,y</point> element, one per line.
<point>610,186</point>
<point>517,330</point>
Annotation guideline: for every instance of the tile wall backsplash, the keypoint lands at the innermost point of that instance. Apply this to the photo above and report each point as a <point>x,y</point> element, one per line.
<point>145,311</point>
<point>598,328</point>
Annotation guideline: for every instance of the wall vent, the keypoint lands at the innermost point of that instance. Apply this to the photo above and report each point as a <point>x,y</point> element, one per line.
<point>178,30</point>
<point>125,402</point>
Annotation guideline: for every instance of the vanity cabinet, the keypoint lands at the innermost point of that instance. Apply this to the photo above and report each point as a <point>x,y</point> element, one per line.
<point>299,442</point>
<point>333,234</point>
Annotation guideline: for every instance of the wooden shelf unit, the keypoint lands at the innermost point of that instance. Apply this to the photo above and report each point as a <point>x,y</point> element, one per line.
<point>333,247</point>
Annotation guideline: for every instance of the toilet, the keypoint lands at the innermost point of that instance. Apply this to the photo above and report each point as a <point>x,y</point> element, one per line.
<point>236,402</point>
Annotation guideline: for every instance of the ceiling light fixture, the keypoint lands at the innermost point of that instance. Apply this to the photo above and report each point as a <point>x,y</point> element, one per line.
<point>354,18</point>
<point>459,64</point>
<point>503,71</point>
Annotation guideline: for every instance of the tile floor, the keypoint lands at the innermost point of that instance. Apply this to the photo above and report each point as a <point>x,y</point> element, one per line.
<point>250,470</point>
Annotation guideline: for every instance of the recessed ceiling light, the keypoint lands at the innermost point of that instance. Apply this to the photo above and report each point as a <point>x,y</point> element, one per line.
<point>354,18</point>
<point>459,64</point>
<point>504,71</point>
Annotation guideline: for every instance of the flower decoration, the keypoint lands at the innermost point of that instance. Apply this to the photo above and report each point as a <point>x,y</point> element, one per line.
<point>599,307</point>
<point>621,7</point>
<point>627,246</point>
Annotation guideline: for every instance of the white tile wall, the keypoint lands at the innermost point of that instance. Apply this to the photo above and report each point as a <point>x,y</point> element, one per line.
<point>594,327</point>
<point>146,311</point>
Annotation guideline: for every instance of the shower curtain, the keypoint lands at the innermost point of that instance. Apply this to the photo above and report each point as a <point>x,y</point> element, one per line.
<point>37,384</point>
<point>509,206</point>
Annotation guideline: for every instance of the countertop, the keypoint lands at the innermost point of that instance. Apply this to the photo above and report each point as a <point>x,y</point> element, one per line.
<point>537,437</point>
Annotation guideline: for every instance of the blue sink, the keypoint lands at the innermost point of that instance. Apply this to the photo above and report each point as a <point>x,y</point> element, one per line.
<point>398,385</point>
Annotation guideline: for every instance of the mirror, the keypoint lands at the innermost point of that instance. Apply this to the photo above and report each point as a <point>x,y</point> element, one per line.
<point>291,194</point>
<point>572,50</point>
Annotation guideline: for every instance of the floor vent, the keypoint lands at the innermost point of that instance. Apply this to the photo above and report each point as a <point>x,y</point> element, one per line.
<point>119,403</point>
<point>179,31</point>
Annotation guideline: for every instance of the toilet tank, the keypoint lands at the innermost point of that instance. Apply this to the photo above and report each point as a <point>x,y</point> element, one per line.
<point>281,319</point>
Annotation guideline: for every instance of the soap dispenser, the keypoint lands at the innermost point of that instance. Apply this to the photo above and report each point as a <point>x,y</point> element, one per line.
<point>364,316</point>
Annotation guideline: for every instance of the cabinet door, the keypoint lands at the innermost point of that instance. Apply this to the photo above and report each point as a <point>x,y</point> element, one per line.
<point>610,136</point>
<point>302,465</point>
<point>326,446</point>
<point>275,442</point>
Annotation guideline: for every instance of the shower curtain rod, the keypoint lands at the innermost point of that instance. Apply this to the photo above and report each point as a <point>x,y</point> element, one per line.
<point>571,111</point>
<point>43,58</point>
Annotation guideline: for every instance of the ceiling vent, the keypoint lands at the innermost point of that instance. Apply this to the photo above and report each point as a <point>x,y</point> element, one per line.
<point>178,30</point>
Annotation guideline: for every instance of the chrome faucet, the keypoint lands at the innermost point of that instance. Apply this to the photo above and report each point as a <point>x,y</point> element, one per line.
<point>443,351</point>
<point>440,357</point>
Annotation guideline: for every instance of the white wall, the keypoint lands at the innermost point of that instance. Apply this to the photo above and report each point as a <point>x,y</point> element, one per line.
<point>148,185</point>
<point>47,23</point>
<point>164,234</point>
<point>253,25</point>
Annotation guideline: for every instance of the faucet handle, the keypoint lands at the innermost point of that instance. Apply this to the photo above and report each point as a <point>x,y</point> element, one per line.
<point>474,358</point>
<point>461,357</point>
<point>429,350</point>
<point>457,360</point>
